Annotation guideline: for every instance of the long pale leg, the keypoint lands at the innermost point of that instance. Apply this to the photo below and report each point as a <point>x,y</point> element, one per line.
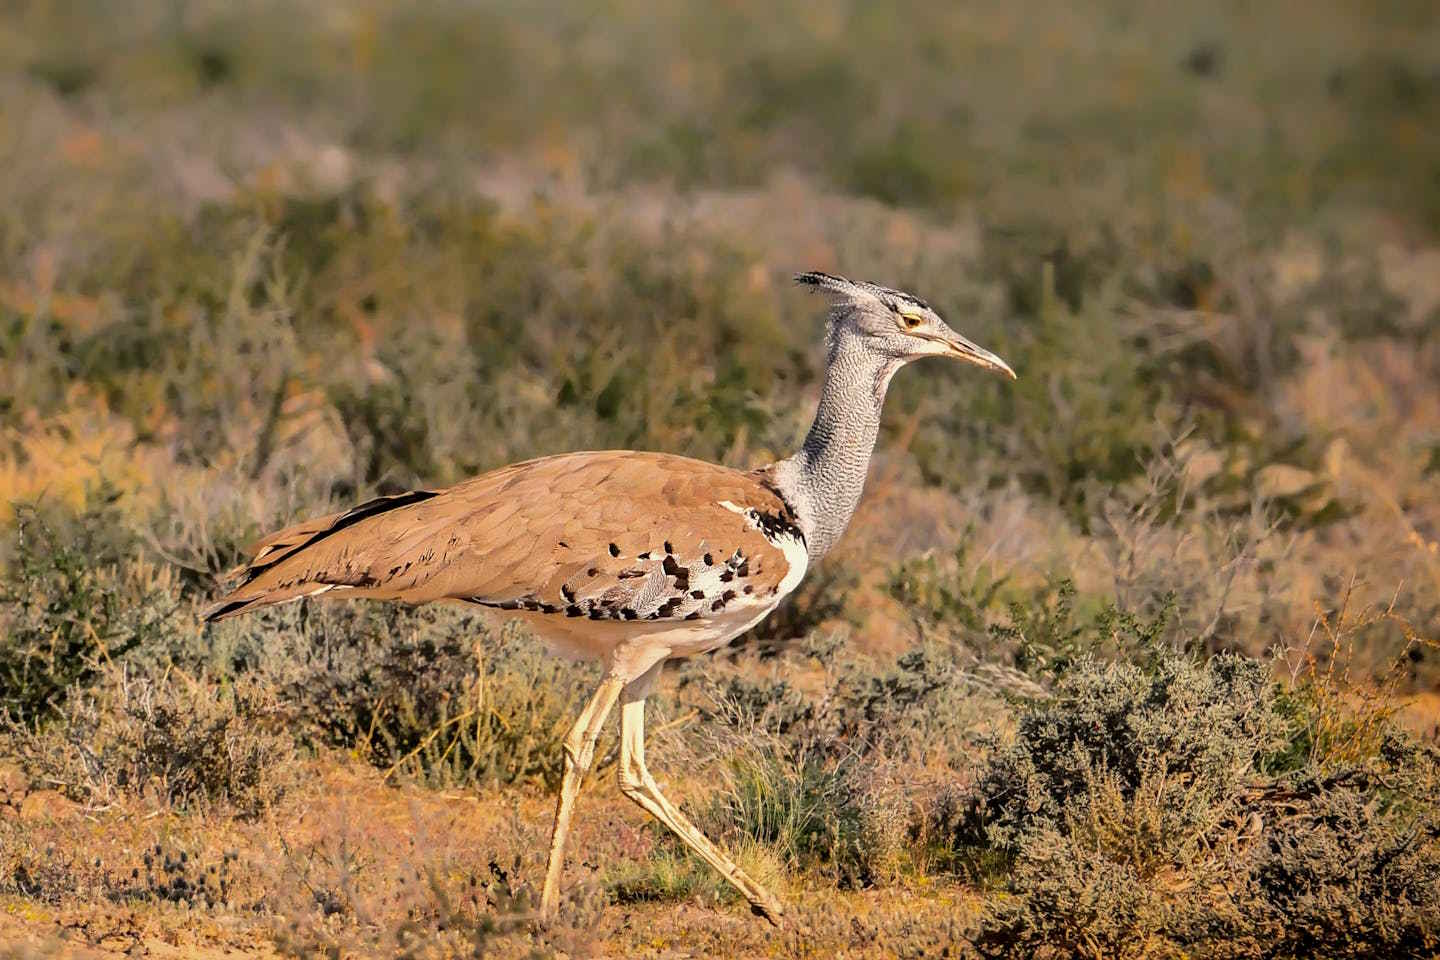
<point>579,752</point>
<point>637,784</point>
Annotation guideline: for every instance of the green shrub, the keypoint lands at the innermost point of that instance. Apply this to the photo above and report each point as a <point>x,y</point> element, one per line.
<point>1349,863</point>
<point>830,780</point>
<point>1015,637</point>
<point>835,818</point>
<point>923,705</point>
<point>1201,727</point>
<point>1133,816</point>
<point>75,597</point>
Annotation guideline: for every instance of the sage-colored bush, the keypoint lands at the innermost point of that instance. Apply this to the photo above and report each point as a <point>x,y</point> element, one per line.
<point>182,740</point>
<point>1140,813</point>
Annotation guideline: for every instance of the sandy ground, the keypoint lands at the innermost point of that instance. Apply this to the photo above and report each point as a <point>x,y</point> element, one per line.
<point>376,856</point>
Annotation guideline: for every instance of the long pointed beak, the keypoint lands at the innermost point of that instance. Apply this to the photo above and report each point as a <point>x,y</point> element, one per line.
<point>962,349</point>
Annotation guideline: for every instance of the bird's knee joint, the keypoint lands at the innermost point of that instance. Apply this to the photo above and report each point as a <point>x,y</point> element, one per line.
<point>576,756</point>
<point>632,781</point>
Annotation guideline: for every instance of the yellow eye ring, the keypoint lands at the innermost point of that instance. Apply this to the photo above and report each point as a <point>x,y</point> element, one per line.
<point>911,320</point>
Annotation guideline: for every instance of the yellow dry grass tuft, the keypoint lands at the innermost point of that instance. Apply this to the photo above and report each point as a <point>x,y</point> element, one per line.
<point>67,458</point>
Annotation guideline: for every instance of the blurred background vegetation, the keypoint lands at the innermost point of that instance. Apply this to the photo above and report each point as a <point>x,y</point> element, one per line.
<point>260,260</point>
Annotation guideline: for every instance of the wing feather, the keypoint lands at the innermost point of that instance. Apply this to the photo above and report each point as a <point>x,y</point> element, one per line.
<point>616,534</point>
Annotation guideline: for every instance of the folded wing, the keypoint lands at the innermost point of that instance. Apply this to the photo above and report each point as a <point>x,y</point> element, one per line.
<point>614,535</point>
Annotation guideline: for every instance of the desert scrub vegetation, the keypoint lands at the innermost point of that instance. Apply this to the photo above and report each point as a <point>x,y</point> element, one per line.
<point>182,740</point>
<point>1164,813</point>
<point>72,602</point>
<point>1167,806</point>
<point>429,693</point>
<point>1121,791</point>
<point>1133,656</point>
<point>1107,779</point>
<point>112,683</point>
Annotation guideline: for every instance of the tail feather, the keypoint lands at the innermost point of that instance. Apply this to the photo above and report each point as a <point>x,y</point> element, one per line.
<point>225,609</point>
<point>269,553</point>
<point>242,601</point>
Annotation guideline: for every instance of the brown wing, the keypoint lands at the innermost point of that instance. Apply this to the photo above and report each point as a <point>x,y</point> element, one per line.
<point>608,535</point>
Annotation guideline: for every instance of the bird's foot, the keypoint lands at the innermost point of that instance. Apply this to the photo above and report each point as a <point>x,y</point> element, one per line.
<point>545,916</point>
<point>770,908</point>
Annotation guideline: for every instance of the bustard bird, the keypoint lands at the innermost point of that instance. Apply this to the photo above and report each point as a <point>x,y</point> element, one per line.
<point>628,558</point>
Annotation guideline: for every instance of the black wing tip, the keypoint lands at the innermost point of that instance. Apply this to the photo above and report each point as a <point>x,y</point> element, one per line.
<point>225,609</point>
<point>354,515</point>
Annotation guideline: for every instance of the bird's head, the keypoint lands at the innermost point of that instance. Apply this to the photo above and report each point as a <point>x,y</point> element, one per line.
<point>897,325</point>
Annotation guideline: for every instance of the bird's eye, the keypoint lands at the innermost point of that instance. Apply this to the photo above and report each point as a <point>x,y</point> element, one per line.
<point>911,320</point>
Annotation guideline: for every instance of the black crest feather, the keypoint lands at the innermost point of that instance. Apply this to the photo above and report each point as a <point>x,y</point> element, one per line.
<point>841,285</point>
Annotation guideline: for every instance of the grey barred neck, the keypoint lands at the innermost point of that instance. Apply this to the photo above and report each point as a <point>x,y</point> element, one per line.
<point>823,481</point>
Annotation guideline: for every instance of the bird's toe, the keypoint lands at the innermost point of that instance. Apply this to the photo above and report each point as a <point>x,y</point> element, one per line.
<point>770,909</point>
